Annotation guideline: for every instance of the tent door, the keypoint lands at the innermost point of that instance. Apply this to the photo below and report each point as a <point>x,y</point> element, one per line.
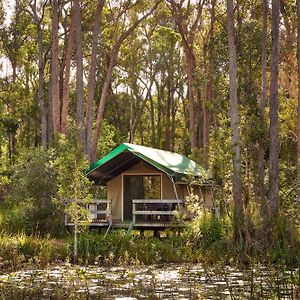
<point>133,189</point>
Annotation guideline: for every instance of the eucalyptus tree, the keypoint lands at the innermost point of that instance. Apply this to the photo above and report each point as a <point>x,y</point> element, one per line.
<point>113,56</point>
<point>188,17</point>
<point>274,126</point>
<point>263,102</point>
<point>67,74</point>
<point>235,123</point>
<point>79,72</point>
<point>55,97</point>
<point>209,67</point>
<point>37,12</point>
<point>92,75</point>
<point>298,107</point>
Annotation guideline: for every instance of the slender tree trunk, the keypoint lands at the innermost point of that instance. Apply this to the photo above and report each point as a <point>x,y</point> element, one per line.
<point>263,101</point>
<point>298,109</point>
<point>173,121</point>
<point>101,107</point>
<point>235,122</point>
<point>191,64</point>
<point>63,61</point>
<point>55,70</point>
<point>75,258</point>
<point>131,126</point>
<point>167,142</point>
<point>41,66</point>
<point>274,135</point>
<point>152,118</point>
<point>41,94</point>
<point>287,80</point>
<point>49,115</point>
<point>209,90</point>
<point>137,119</point>
<point>66,88</point>
<point>92,78</point>
<point>79,73</point>
<point>160,112</point>
<point>170,100</point>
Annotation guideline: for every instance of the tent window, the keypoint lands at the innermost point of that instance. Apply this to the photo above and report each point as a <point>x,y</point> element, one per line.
<point>152,186</point>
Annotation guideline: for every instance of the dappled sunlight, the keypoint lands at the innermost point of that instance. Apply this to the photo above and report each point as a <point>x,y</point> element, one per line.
<point>171,281</point>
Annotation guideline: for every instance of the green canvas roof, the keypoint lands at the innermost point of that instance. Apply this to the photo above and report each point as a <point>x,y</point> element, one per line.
<point>173,164</point>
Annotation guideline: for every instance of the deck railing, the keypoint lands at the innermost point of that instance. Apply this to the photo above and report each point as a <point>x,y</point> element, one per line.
<point>99,213</point>
<point>155,212</point>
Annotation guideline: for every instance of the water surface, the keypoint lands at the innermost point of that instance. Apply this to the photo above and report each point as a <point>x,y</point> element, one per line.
<point>190,281</point>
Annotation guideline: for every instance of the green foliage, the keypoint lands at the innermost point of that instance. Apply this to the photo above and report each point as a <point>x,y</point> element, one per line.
<point>110,138</point>
<point>34,176</point>
<point>28,205</point>
<point>118,248</point>
<point>73,189</point>
<point>212,230</point>
<point>20,249</point>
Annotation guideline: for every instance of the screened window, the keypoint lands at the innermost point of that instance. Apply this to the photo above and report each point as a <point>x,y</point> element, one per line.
<point>151,186</point>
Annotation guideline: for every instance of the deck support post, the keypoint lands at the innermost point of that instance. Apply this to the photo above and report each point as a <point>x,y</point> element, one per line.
<point>133,212</point>
<point>156,233</point>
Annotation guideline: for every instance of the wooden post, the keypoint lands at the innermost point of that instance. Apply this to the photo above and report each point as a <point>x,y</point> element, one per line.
<point>156,233</point>
<point>133,212</point>
<point>75,242</point>
<point>110,209</point>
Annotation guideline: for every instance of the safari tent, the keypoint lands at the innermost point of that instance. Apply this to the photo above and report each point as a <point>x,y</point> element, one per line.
<point>145,186</point>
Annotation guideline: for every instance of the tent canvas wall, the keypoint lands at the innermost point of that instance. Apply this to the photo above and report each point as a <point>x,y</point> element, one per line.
<point>137,172</point>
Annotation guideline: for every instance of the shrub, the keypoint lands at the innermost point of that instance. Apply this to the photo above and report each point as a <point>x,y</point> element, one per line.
<point>28,207</point>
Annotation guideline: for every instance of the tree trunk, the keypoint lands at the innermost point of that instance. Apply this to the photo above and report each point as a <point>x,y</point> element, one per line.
<point>170,101</point>
<point>49,115</point>
<point>112,62</point>
<point>41,66</point>
<point>63,61</point>
<point>79,73</point>
<point>263,101</point>
<point>191,64</point>
<point>66,88</point>
<point>209,91</point>
<point>187,34</point>
<point>101,107</point>
<point>135,120</point>
<point>298,109</point>
<point>41,94</point>
<point>274,136</point>
<point>92,78</point>
<point>75,257</point>
<point>152,119</point>
<point>54,69</point>
<point>234,120</point>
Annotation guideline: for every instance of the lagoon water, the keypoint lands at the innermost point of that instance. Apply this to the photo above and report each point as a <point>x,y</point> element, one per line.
<point>172,281</point>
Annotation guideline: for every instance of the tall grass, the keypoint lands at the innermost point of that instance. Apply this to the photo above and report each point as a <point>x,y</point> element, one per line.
<point>121,248</point>
<point>19,250</point>
<point>210,244</point>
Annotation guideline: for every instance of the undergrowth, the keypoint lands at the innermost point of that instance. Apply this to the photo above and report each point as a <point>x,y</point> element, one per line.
<point>211,243</point>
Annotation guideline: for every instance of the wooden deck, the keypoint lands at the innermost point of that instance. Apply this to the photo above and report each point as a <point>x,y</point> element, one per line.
<point>155,212</point>
<point>100,213</point>
<point>146,213</point>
